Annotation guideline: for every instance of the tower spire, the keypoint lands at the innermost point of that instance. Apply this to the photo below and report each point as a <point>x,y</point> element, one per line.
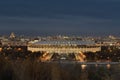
<point>12,35</point>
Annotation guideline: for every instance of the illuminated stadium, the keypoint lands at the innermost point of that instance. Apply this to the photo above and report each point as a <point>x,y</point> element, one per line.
<point>61,47</point>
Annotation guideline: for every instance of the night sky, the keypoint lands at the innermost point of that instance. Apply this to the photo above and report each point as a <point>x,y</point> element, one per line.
<point>69,17</point>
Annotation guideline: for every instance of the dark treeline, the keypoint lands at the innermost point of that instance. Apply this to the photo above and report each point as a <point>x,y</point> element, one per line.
<point>16,63</point>
<point>33,70</point>
<point>107,53</point>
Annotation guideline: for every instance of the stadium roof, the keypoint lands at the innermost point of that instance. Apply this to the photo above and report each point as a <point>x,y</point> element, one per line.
<point>65,42</point>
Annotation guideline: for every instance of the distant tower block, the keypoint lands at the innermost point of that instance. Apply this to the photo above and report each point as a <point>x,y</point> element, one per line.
<point>12,35</point>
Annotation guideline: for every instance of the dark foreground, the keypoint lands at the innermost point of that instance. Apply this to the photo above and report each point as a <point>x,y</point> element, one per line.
<point>18,64</point>
<point>33,70</point>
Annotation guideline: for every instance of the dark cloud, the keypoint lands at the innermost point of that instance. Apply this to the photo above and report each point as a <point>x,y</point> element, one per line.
<point>51,16</point>
<point>63,24</point>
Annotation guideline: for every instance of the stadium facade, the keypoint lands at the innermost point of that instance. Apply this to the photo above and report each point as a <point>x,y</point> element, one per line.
<point>63,46</point>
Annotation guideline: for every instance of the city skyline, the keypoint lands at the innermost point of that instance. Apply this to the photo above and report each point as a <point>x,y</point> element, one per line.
<point>60,17</point>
